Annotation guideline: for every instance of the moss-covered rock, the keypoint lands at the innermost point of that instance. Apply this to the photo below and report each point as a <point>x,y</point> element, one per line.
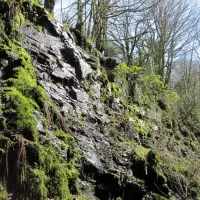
<point>41,171</point>
<point>133,145</point>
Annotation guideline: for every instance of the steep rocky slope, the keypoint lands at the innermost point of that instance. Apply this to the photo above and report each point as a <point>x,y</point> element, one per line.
<point>76,126</point>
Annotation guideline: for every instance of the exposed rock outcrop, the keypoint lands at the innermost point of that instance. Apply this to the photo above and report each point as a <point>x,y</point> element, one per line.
<point>128,146</point>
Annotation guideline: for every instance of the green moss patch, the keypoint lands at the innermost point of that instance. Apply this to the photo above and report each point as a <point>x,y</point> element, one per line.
<point>20,113</point>
<point>58,177</point>
<point>3,193</point>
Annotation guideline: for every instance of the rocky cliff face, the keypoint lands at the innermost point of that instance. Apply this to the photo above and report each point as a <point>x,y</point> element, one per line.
<point>75,126</point>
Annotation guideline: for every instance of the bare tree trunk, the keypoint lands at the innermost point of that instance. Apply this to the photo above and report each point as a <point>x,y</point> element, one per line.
<point>79,24</point>
<point>49,5</point>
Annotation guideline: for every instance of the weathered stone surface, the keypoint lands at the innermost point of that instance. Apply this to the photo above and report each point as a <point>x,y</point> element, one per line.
<point>109,167</point>
<point>96,90</point>
<point>116,104</point>
<point>84,68</point>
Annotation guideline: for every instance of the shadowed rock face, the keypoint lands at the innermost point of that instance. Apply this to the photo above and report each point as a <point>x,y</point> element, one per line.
<point>62,68</point>
<point>117,161</point>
